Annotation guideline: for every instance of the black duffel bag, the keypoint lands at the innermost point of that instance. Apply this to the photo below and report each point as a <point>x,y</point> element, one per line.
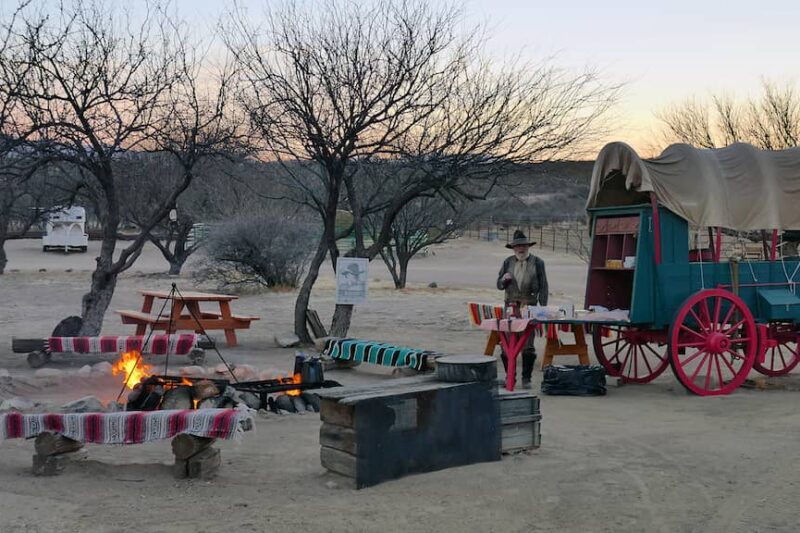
<point>574,380</point>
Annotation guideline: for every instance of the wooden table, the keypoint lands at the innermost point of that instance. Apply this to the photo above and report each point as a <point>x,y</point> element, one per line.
<point>513,334</point>
<point>185,314</point>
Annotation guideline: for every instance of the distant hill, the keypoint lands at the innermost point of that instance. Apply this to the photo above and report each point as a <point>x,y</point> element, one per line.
<point>544,192</point>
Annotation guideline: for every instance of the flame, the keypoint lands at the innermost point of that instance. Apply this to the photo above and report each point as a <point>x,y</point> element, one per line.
<point>294,379</point>
<point>132,372</point>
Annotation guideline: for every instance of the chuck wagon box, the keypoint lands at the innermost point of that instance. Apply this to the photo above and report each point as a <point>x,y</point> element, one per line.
<point>712,319</point>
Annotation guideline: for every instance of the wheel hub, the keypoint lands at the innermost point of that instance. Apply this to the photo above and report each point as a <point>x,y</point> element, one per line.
<point>717,343</point>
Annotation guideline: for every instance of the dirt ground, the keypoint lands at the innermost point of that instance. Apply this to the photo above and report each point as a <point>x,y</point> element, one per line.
<point>642,458</point>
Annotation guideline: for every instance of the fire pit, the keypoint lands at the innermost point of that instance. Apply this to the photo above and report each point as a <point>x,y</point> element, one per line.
<point>148,391</point>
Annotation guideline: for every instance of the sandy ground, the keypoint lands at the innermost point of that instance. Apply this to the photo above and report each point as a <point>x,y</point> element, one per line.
<point>642,458</point>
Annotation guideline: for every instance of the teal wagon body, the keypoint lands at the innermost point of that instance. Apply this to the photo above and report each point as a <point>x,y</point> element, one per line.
<point>712,319</point>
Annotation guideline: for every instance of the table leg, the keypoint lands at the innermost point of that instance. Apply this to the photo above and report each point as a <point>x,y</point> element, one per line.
<point>512,344</point>
<point>491,343</point>
<point>147,305</point>
<point>230,334</point>
<point>580,344</point>
<point>175,315</point>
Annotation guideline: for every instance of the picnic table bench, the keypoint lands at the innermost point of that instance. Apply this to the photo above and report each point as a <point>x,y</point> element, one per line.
<point>185,314</point>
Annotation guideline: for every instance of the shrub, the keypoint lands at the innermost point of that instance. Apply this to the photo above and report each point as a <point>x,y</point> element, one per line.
<point>269,250</point>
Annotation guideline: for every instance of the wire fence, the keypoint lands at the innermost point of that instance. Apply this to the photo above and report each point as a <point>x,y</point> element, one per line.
<point>564,237</point>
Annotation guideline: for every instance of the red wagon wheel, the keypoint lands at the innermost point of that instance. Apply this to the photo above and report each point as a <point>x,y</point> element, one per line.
<point>628,354</point>
<point>782,353</point>
<point>712,342</point>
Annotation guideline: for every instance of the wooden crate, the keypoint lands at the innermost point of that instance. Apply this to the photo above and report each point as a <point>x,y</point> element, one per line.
<point>372,434</point>
<point>520,420</point>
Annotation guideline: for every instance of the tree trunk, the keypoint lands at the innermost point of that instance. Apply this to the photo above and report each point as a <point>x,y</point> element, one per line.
<point>304,296</point>
<point>175,267</point>
<point>97,300</point>
<point>341,320</point>
<point>3,258</point>
<point>3,235</point>
<point>104,281</point>
<point>403,261</point>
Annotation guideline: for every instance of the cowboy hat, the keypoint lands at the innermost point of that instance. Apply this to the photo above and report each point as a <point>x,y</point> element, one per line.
<point>519,238</point>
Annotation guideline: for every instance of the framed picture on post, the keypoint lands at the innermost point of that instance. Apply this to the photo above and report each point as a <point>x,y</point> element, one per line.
<point>352,277</point>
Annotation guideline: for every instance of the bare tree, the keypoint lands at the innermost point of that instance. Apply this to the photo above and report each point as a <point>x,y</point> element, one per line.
<point>770,121</point>
<point>422,223</point>
<point>344,85</point>
<point>93,85</point>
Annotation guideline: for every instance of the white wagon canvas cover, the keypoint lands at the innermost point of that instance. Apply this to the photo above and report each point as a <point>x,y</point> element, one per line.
<point>738,187</point>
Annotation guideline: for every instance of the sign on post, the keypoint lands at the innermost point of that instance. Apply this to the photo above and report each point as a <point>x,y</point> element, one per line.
<point>351,280</point>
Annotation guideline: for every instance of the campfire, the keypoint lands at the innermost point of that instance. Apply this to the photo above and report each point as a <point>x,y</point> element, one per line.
<point>148,391</point>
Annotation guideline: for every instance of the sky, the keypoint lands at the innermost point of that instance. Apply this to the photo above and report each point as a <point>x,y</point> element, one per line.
<point>663,51</point>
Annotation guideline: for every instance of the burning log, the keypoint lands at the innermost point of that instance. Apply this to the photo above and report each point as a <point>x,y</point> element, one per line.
<point>177,398</point>
<point>205,389</point>
<point>146,395</point>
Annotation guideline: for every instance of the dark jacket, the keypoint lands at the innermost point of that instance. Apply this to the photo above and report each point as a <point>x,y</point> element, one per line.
<point>537,290</point>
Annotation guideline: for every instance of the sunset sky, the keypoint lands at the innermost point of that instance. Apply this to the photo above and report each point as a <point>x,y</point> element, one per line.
<point>663,50</point>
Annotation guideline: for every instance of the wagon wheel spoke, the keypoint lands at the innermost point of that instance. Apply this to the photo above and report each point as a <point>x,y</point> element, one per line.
<point>728,364</point>
<point>699,367</point>
<point>646,362</point>
<point>708,371</point>
<point>661,358</point>
<point>780,352</point>
<point>697,354</point>
<point>695,333</point>
<point>699,320</point>
<point>719,369</point>
<point>734,327</point>
<point>717,309</point>
<point>728,316</point>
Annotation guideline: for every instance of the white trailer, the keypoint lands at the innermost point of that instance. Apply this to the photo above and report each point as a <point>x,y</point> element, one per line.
<point>66,230</point>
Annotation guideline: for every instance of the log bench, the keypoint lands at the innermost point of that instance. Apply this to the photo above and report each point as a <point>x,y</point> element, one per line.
<point>59,437</point>
<point>40,350</point>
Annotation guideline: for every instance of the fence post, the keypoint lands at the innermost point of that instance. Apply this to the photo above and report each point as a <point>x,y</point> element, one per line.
<point>541,235</point>
<point>566,245</point>
<point>554,237</point>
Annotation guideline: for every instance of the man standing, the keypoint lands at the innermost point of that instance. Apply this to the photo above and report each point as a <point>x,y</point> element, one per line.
<point>524,281</point>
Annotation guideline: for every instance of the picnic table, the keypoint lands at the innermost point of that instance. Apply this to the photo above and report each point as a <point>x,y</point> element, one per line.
<point>185,313</point>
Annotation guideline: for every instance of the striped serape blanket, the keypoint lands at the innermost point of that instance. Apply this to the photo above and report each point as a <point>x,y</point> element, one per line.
<point>126,427</point>
<point>180,344</point>
<point>480,312</point>
<point>377,353</point>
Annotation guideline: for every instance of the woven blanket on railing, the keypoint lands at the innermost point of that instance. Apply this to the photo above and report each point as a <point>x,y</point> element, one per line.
<point>180,344</point>
<point>377,353</point>
<point>126,427</point>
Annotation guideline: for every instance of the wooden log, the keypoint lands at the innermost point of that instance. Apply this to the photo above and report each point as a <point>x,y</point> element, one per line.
<point>27,345</point>
<point>49,465</point>
<point>177,398</point>
<point>204,465</point>
<point>38,358</point>
<point>185,446</point>
<point>205,389</point>
<point>48,444</point>
<point>466,368</point>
